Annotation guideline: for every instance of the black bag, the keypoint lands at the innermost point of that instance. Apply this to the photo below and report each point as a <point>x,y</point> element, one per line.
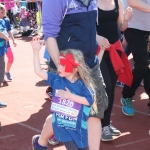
<point>27,33</point>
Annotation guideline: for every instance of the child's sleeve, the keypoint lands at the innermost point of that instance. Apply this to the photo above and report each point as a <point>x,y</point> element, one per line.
<point>88,95</point>
<point>51,78</point>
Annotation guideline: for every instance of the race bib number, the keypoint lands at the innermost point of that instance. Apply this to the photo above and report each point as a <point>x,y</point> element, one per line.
<point>65,106</point>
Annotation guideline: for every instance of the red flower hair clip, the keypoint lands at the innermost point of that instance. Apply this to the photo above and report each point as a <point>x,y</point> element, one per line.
<point>69,62</point>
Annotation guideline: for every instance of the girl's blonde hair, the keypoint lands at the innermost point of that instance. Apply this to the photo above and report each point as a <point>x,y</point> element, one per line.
<point>84,73</point>
<point>2,7</point>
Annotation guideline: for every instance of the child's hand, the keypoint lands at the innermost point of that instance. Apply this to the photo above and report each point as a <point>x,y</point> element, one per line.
<point>14,43</point>
<point>64,94</point>
<point>36,44</point>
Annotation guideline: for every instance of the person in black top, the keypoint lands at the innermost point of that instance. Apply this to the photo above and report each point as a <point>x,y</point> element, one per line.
<point>110,17</point>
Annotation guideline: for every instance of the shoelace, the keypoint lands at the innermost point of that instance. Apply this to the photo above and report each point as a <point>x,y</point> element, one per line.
<point>106,130</point>
<point>111,126</point>
<point>129,102</point>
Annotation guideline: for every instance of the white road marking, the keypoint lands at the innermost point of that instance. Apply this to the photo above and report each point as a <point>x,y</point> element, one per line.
<point>130,143</point>
<point>7,136</point>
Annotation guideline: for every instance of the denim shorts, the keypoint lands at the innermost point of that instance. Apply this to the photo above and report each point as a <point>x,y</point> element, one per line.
<point>101,95</point>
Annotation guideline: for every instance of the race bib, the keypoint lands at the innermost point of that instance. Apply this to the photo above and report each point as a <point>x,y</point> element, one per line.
<point>65,106</point>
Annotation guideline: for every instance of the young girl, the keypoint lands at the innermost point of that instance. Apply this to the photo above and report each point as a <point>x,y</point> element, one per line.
<point>73,92</point>
<point>7,31</point>
<point>24,18</point>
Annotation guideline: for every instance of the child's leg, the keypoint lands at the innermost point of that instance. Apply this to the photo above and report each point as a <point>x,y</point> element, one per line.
<point>94,133</point>
<point>10,57</point>
<point>2,69</point>
<point>47,131</point>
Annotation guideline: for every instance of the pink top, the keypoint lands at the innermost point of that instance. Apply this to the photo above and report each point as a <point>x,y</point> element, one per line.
<point>23,15</point>
<point>8,4</point>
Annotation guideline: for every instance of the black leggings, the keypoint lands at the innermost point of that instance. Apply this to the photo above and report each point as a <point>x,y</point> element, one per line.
<point>110,79</point>
<point>138,43</point>
<point>10,16</point>
<point>72,146</point>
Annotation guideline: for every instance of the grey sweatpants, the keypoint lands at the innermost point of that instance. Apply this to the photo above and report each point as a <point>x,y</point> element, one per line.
<point>2,69</point>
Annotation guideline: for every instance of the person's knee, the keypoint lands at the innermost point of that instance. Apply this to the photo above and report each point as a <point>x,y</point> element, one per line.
<point>11,59</point>
<point>48,119</point>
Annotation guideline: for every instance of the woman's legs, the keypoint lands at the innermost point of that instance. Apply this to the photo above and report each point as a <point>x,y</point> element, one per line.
<point>110,79</point>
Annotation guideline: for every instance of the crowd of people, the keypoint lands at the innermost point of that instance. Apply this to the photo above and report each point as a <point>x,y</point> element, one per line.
<point>19,15</point>
<point>86,42</point>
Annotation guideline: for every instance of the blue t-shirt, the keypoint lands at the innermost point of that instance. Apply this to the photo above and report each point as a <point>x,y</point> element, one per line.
<point>3,47</point>
<point>8,28</point>
<point>66,128</point>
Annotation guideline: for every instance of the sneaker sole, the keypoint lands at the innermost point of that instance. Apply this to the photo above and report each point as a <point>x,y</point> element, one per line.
<point>105,140</point>
<point>2,106</point>
<point>124,112</point>
<point>51,143</point>
<point>120,86</point>
<point>115,134</point>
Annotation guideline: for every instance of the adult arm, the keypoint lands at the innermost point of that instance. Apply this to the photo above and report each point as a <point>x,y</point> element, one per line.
<point>124,17</point>
<point>140,5</point>
<point>52,16</point>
